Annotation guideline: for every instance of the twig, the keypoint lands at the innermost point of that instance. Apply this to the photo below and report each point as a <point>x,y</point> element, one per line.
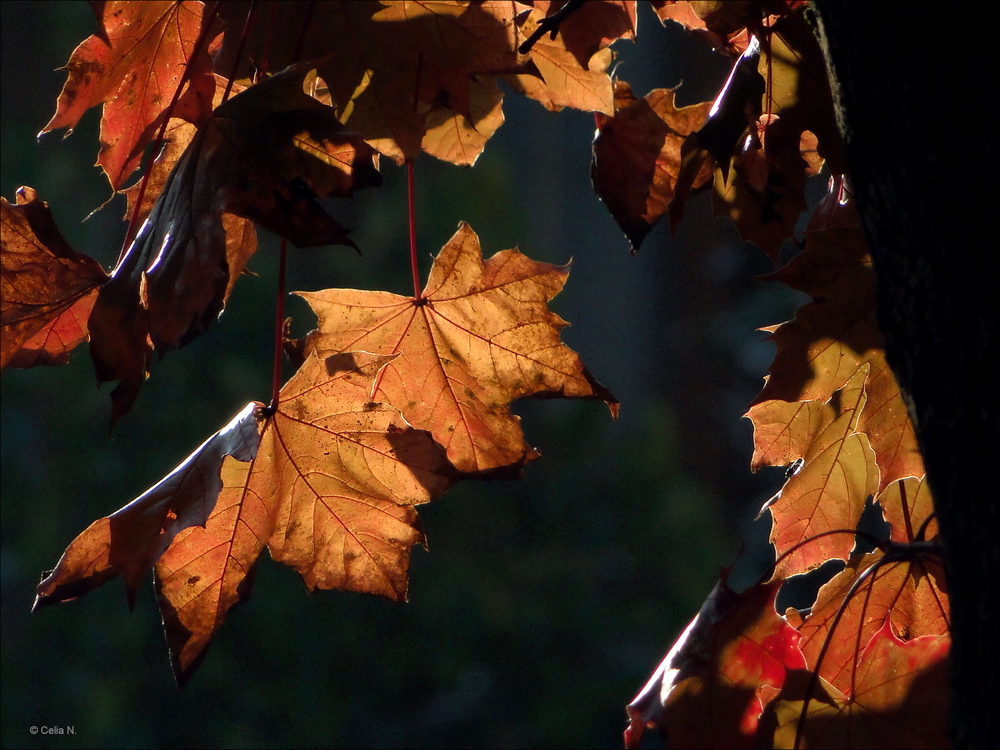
<point>550,25</point>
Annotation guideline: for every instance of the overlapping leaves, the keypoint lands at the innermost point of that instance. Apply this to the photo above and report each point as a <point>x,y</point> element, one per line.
<point>412,76</point>
<point>869,652</point>
<point>332,488</point>
<point>263,155</point>
<point>864,664</point>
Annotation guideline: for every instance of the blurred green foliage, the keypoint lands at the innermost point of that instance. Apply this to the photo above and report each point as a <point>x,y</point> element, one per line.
<point>543,604</point>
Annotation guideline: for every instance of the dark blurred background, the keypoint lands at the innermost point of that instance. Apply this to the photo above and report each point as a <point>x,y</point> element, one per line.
<point>544,604</point>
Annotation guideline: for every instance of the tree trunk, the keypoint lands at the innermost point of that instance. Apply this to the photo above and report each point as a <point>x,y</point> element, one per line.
<point>916,105</point>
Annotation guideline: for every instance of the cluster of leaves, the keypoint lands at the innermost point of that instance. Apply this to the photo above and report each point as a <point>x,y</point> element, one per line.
<point>397,398</point>
<point>864,663</point>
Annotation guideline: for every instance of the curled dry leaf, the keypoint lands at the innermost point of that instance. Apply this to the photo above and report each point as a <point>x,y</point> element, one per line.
<point>720,674</point>
<point>264,155</point>
<point>134,66</point>
<point>129,541</point>
<point>47,288</point>
<point>329,483</point>
<point>637,157</point>
<point>480,336</point>
<point>798,101</point>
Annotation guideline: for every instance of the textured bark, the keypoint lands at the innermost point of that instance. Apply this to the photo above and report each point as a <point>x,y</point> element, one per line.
<point>916,98</point>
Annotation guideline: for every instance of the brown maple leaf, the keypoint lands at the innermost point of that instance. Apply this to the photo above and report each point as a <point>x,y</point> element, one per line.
<point>134,66</point>
<point>264,155</point>
<point>830,338</point>
<point>592,26</point>
<point>765,209</point>
<point>332,493</point>
<point>563,78</point>
<point>329,483</point>
<point>637,157</point>
<point>480,336</point>
<point>47,288</point>
<point>829,491</point>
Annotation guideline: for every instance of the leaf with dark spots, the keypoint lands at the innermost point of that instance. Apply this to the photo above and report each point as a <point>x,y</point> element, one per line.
<point>134,66</point>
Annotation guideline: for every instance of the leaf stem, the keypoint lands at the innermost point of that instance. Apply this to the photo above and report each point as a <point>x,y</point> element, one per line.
<point>247,25</point>
<point>206,25</point>
<point>413,231</point>
<point>279,328</point>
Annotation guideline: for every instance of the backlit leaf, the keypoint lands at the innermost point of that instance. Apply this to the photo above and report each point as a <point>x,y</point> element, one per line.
<point>47,288</point>
<point>481,336</point>
<point>133,66</point>
<point>637,156</point>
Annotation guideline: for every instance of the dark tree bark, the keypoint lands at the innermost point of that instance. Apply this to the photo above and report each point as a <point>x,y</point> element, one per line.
<point>916,98</point>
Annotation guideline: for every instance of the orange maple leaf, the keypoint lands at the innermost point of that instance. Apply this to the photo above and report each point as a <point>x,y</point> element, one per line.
<point>329,483</point>
<point>412,76</point>
<point>825,345</point>
<point>47,289</point>
<point>900,700</point>
<point>134,65</point>
<point>480,336</point>
<point>829,492</point>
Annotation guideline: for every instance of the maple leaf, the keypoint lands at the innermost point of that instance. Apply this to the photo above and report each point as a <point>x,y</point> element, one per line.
<point>592,26</point>
<point>829,492</point>
<point>329,483</point>
<point>128,542</point>
<point>714,683</point>
<point>797,102</point>
<point>134,66</point>
<point>480,336</point>
<point>829,340</point>
<point>900,700</point>
<point>908,594</point>
<point>332,493</point>
<point>263,155</point>
<point>564,80</point>
<point>47,287</point>
<point>637,157</point>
